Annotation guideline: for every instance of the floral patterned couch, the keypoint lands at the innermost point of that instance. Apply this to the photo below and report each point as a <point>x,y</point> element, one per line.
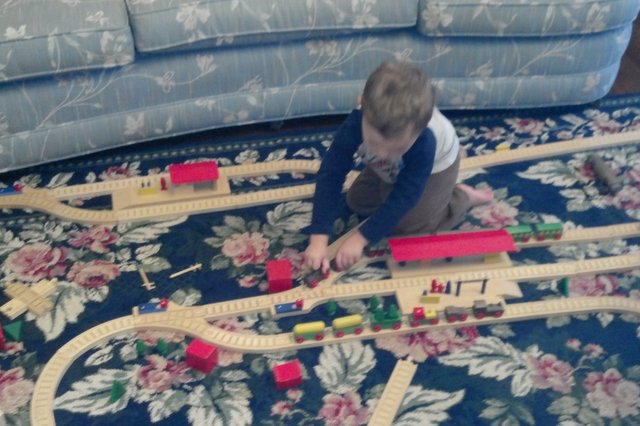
<point>80,76</point>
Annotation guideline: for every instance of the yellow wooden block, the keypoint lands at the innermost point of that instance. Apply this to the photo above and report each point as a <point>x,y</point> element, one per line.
<point>147,191</point>
<point>430,299</point>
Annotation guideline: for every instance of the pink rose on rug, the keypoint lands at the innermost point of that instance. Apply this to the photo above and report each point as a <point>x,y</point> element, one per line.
<point>497,214</point>
<point>628,198</point>
<point>633,174</point>
<point>612,395</point>
<point>118,172</point>
<point>246,248</point>
<point>227,357</point>
<point>526,125</point>
<point>343,410</point>
<point>602,123</point>
<point>12,348</point>
<point>151,337</point>
<point>97,239</point>
<point>281,408</point>
<point>248,281</point>
<point>593,350</point>
<point>550,373</point>
<point>15,391</point>
<point>160,374</point>
<point>423,345</point>
<point>573,343</point>
<point>34,262</point>
<point>95,273</point>
<point>493,134</point>
<point>294,394</point>
<point>600,285</point>
<point>284,408</point>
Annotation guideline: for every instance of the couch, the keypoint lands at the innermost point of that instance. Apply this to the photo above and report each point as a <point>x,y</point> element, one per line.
<point>80,76</point>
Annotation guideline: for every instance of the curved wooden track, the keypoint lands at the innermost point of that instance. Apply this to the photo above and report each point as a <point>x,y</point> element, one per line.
<point>49,200</point>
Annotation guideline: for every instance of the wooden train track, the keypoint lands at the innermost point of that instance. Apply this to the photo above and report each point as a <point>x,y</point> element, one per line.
<point>393,393</point>
<point>49,200</point>
<point>44,392</point>
<point>193,321</point>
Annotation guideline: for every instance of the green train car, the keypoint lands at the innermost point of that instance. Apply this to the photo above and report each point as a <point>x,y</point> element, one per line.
<point>540,231</point>
<point>385,320</point>
<point>545,231</point>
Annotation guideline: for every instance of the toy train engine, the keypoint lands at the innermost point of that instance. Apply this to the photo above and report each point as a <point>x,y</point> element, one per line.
<point>420,316</point>
<point>309,330</point>
<point>313,278</point>
<point>482,309</point>
<point>347,325</point>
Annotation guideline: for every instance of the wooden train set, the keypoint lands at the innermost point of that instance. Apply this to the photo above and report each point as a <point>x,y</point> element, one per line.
<point>430,295</point>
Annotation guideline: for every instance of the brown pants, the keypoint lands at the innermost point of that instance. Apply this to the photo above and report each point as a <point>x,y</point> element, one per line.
<point>442,205</point>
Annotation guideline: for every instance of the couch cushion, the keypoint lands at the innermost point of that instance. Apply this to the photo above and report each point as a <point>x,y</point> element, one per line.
<point>43,37</point>
<point>523,17</point>
<point>180,24</point>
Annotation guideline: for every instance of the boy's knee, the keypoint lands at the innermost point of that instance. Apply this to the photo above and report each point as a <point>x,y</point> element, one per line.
<point>362,203</point>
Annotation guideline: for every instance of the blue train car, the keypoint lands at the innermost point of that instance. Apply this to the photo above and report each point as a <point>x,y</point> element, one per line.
<point>10,190</point>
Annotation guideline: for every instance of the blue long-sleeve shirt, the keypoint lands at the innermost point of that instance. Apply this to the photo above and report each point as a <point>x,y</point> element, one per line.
<point>417,164</point>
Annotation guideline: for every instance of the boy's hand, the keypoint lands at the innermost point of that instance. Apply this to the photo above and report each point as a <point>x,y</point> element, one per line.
<point>350,251</point>
<point>316,254</point>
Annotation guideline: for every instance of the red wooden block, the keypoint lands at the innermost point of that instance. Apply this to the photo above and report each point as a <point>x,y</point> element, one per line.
<point>288,374</point>
<point>279,275</point>
<point>201,356</point>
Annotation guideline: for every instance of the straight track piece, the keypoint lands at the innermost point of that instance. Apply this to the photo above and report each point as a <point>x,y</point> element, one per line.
<point>393,393</point>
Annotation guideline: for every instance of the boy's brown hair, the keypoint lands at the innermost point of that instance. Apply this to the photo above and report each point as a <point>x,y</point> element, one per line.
<point>398,96</point>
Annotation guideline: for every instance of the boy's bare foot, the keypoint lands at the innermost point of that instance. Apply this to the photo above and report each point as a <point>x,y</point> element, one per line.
<point>477,196</point>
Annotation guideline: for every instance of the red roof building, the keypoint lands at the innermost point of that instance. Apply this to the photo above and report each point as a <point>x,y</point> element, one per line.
<point>192,173</point>
<point>451,245</point>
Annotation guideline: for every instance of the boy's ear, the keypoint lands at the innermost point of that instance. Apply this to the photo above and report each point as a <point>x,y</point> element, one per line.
<point>359,101</point>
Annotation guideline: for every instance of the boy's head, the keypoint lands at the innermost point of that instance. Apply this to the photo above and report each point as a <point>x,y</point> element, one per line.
<point>398,98</point>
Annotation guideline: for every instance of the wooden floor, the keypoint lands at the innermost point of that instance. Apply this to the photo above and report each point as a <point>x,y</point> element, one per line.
<point>628,80</point>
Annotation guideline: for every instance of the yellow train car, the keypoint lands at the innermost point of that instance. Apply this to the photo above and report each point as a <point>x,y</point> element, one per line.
<point>309,330</point>
<point>347,325</point>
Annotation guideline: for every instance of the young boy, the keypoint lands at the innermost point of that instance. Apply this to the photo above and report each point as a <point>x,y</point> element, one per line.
<point>409,183</point>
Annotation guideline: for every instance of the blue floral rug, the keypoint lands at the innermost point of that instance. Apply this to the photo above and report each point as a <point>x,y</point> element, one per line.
<point>582,369</point>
